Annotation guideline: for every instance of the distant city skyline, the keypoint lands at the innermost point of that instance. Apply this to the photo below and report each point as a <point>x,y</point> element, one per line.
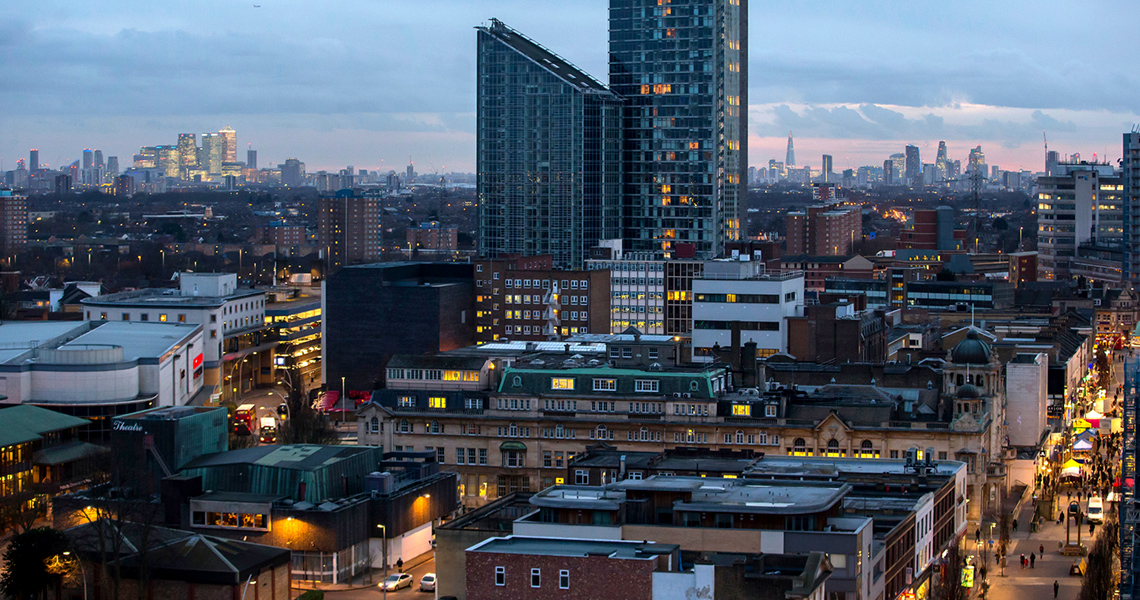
<point>113,76</point>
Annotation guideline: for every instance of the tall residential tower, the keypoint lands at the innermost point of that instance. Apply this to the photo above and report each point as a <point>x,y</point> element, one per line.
<point>682,68</point>
<point>548,152</point>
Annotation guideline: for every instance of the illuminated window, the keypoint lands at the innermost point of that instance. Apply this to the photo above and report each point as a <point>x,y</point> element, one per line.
<point>605,385</point>
<point>437,402</point>
<point>742,410</point>
<point>161,317</point>
<point>451,376</point>
<point>562,383</point>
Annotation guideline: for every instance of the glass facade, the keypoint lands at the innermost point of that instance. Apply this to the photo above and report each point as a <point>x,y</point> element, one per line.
<point>682,67</point>
<point>548,139</point>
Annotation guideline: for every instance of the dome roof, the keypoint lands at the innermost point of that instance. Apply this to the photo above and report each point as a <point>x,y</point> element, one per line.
<point>971,351</point>
<point>969,392</point>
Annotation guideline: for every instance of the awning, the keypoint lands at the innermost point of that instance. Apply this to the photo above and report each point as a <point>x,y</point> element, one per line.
<point>512,446</point>
<point>1094,416</point>
<point>72,451</point>
<point>1083,445</point>
<point>329,400</point>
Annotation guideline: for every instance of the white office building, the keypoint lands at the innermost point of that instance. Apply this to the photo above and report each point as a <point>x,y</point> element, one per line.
<point>232,319</point>
<point>739,299</point>
<point>97,370</point>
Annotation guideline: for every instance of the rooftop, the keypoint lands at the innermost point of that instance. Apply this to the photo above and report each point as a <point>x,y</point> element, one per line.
<point>303,457</point>
<point>546,59</point>
<point>138,339</point>
<point>567,547</point>
<point>26,423</point>
<point>167,297</point>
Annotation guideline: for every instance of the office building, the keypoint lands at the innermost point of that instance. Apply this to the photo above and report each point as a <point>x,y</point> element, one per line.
<point>232,320</point>
<point>13,222</point>
<point>373,311</point>
<point>62,184</point>
<point>977,163</point>
<point>251,159</point>
<point>88,158</point>
<point>213,153</point>
<point>790,155</point>
<point>826,176</point>
<point>526,299</point>
<point>167,160</point>
<point>736,302</point>
<point>824,230</point>
<point>112,166</point>
<point>683,71</point>
<point>147,158</point>
<point>348,228</point>
<point>229,144</point>
<point>1079,207</point>
<point>548,152</point>
<point>293,173</point>
<point>293,315</point>
<point>913,166</point>
<point>33,160</point>
<point>187,150</point>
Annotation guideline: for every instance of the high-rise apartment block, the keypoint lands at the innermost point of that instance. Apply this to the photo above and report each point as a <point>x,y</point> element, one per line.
<point>293,173</point>
<point>932,229</point>
<point>1130,182</point>
<point>251,159</point>
<point>33,160</point>
<point>527,299</point>
<point>13,222</point>
<point>348,228</point>
<point>548,152</point>
<point>824,230</point>
<point>683,70</point>
<point>1079,207</point>
<point>680,76</point>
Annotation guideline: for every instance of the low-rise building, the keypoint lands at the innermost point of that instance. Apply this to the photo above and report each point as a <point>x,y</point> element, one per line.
<point>526,298</point>
<point>737,301</point>
<point>100,369</point>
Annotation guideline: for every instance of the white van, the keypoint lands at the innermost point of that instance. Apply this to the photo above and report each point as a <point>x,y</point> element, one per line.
<point>1096,510</point>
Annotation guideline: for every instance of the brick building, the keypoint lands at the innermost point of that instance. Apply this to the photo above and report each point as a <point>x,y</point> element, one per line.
<point>348,228</point>
<point>824,230</point>
<point>819,267</point>
<point>13,222</point>
<point>280,234</point>
<point>837,332</point>
<point>431,237</point>
<point>527,299</point>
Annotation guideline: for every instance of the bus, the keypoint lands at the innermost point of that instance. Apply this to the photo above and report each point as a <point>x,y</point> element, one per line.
<point>243,419</point>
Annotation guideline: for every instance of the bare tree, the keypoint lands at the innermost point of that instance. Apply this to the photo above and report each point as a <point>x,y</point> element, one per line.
<point>950,585</point>
<point>1100,576</point>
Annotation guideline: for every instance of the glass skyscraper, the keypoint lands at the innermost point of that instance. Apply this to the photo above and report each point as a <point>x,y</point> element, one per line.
<point>549,141</point>
<point>682,68</point>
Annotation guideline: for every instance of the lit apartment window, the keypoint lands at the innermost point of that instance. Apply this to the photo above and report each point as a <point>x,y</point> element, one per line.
<point>437,402</point>
<point>562,383</point>
<point>162,317</point>
<point>741,410</point>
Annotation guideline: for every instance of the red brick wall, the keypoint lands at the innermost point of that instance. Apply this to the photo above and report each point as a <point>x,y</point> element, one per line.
<point>591,578</point>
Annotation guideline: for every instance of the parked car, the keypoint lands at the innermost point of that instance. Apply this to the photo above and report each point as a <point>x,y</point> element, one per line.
<point>396,581</point>
<point>427,583</point>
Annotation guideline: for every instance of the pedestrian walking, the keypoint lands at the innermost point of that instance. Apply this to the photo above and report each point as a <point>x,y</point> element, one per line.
<point>1032,560</point>
<point>1042,551</point>
<point>1056,588</point>
<point>1022,561</point>
<point>1015,525</point>
<point>978,535</point>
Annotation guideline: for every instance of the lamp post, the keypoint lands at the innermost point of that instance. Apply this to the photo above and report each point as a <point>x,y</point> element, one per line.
<point>384,557</point>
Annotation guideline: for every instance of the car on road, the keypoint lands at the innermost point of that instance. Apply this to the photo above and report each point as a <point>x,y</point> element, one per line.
<point>396,581</point>
<point>268,430</point>
<point>427,583</point>
<point>283,411</point>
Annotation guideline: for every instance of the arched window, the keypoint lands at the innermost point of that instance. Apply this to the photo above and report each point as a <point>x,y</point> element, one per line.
<point>513,430</point>
<point>833,448</point>
<point>799,447</point>
<point>405,427</point>
<point>434,427</point>
<point>644,434</point>
<point>374,425</point>
<point>866,446</point>
<point>601,433</point>
<point>517,381</point>
<point>739,436</point>
<point>693,385</point>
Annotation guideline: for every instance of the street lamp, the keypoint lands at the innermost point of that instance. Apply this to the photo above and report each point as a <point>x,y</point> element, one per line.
<point>384,555</point>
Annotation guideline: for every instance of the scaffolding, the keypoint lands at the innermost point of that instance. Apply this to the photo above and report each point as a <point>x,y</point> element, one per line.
<point>1129,514</point>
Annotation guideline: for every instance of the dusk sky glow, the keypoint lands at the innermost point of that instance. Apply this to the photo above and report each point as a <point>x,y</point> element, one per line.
<point>366,82</point>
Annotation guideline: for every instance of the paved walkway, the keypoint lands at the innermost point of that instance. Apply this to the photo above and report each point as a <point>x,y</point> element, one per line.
<point>1024,584</point>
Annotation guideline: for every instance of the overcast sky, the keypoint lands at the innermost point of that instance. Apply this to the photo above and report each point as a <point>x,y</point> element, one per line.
<point>366,82</point>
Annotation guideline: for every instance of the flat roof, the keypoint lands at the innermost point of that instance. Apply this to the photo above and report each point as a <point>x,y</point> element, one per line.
<point>301,457</point>
<point>626,550</point>
<point>138,339</point>
<point>167,297</point>
<point>24,333</point>
<point>791,465</point>
<point>743,495</point>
